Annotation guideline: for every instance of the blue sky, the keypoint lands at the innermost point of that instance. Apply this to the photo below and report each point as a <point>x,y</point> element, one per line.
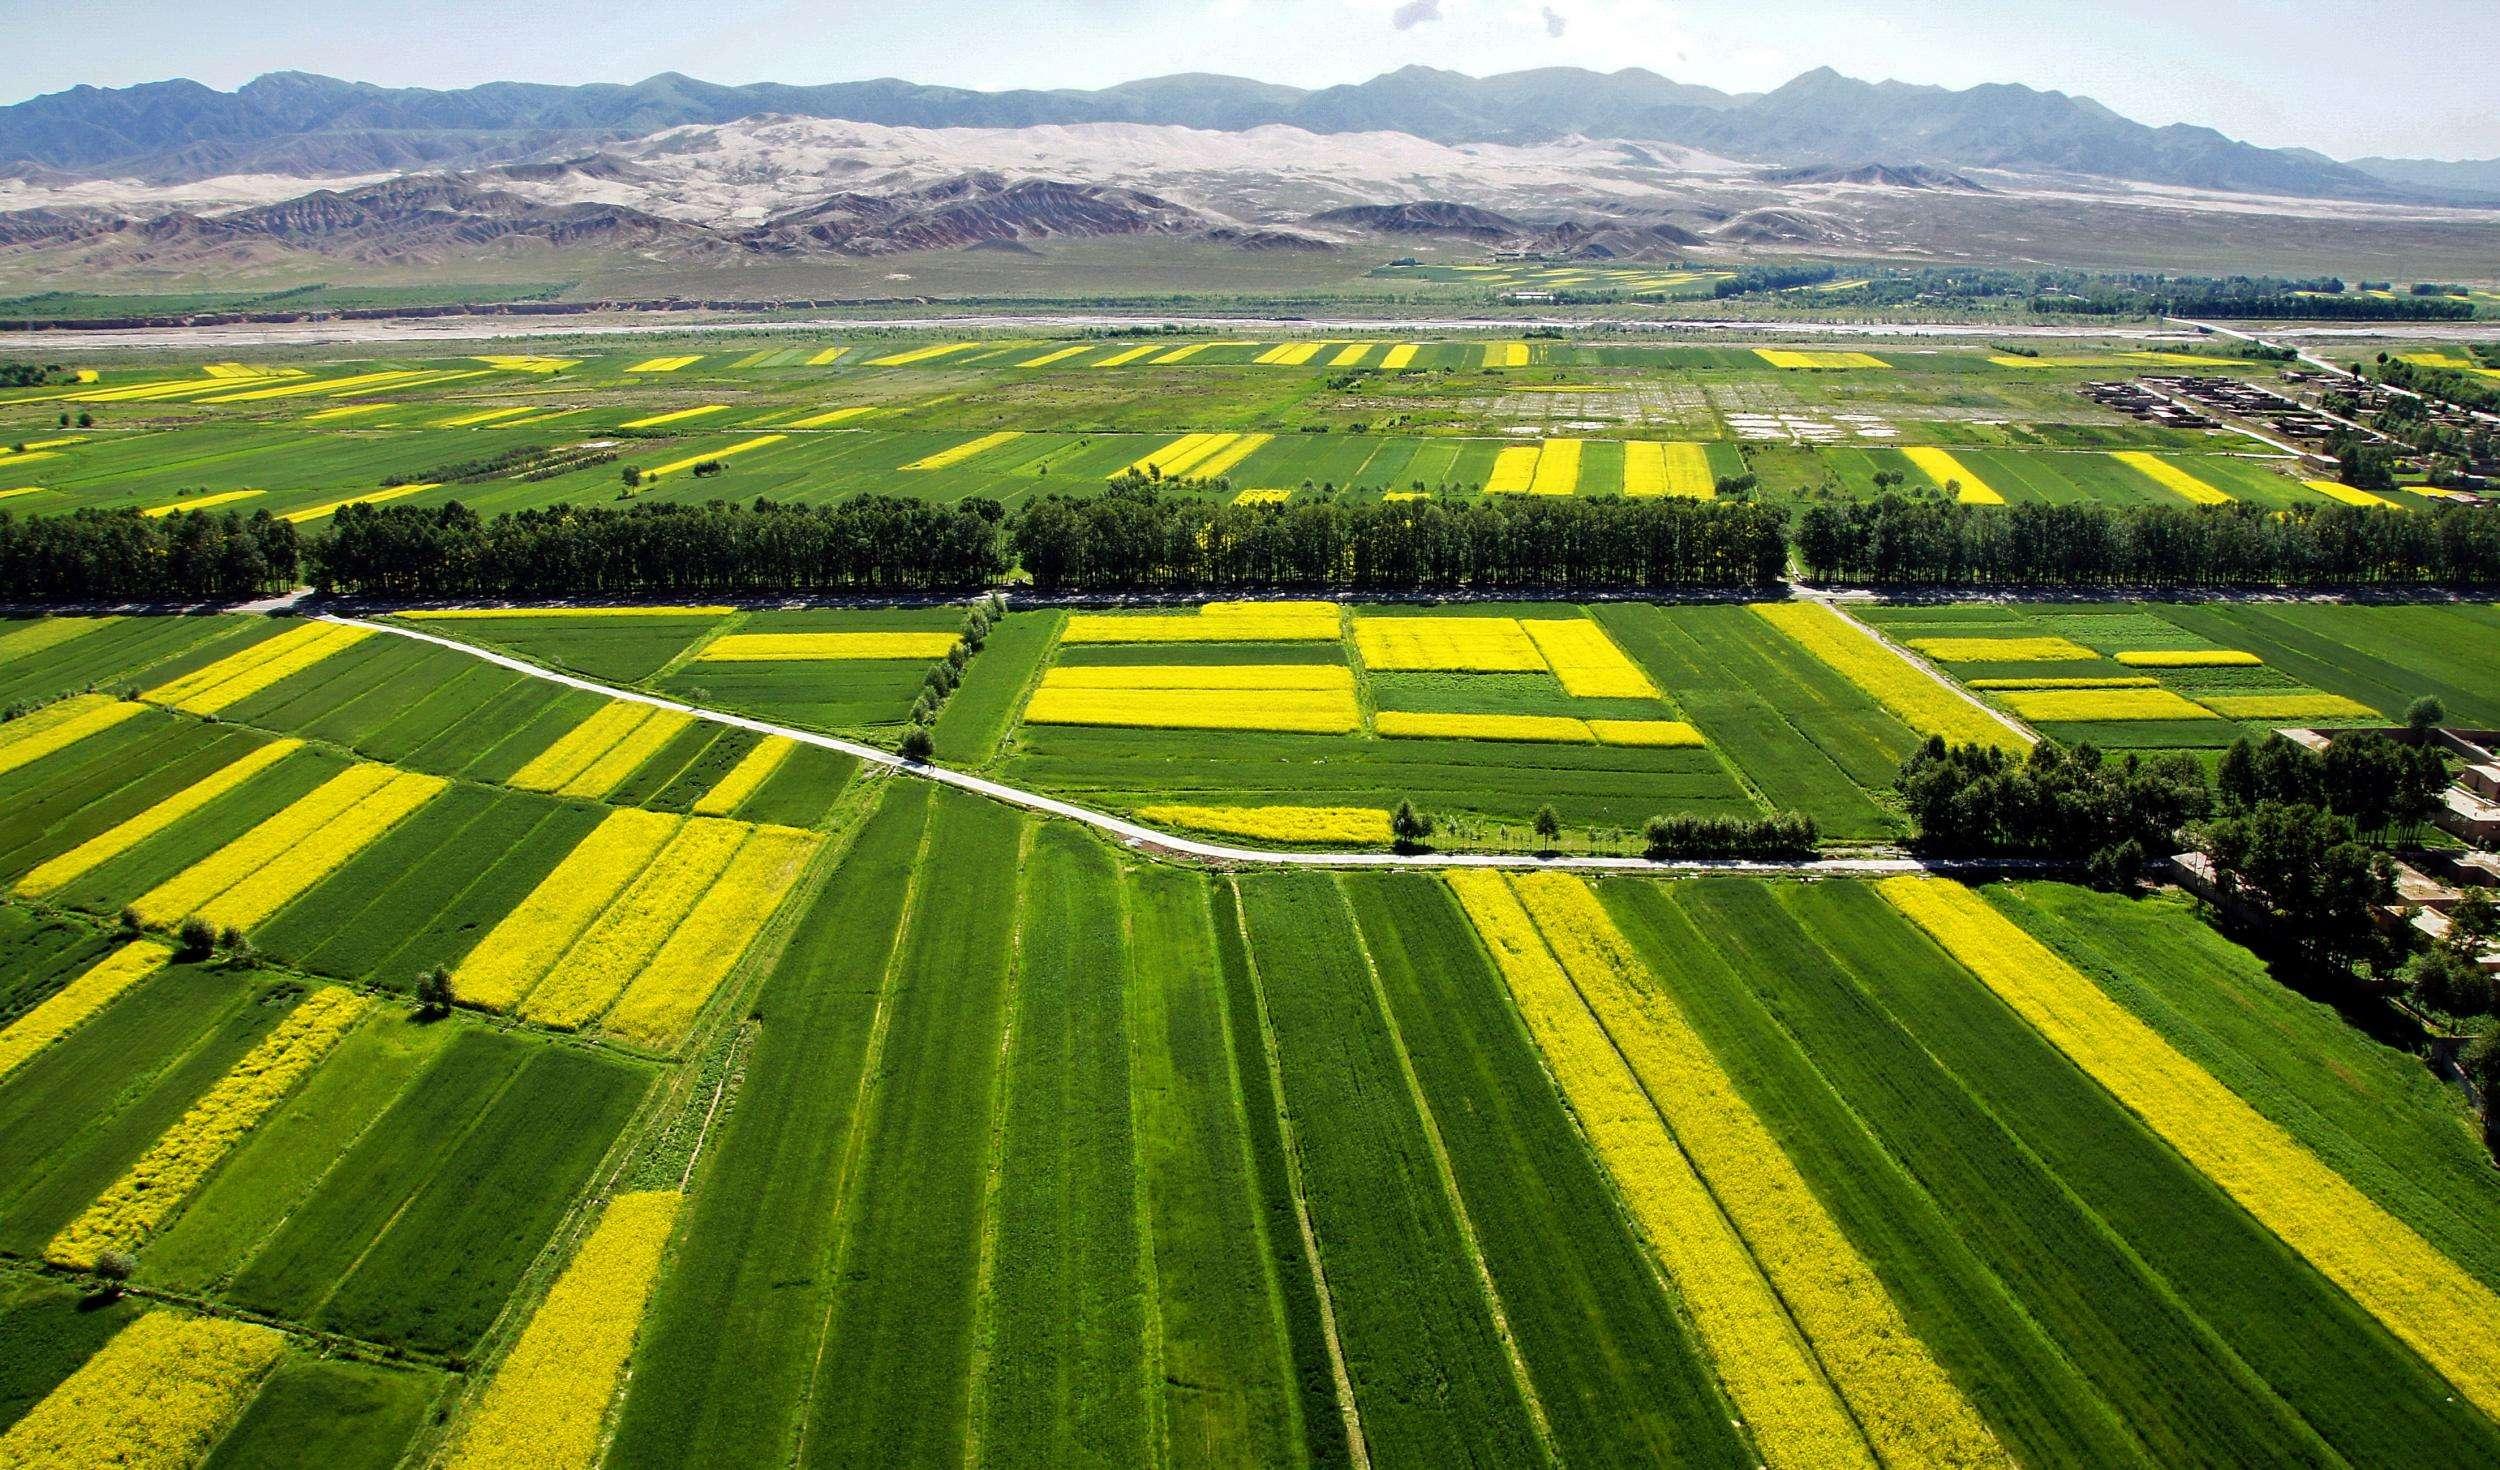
<point>2410,77</point>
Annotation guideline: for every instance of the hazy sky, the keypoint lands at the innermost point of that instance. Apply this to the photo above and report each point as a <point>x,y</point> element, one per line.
<point>2347,77</point>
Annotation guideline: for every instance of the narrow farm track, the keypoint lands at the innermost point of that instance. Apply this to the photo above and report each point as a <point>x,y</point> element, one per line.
<point>1213,852</point>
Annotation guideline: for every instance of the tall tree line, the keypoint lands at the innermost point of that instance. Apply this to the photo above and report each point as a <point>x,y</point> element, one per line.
<point>122,556</point>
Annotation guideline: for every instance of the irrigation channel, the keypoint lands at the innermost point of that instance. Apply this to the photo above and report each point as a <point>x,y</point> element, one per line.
<point>1140,835</point>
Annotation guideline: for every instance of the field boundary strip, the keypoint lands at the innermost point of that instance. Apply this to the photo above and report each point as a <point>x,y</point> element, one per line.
<point>1138,832</point>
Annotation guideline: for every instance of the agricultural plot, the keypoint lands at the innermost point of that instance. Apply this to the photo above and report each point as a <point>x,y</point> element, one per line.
<point>2159,675</point>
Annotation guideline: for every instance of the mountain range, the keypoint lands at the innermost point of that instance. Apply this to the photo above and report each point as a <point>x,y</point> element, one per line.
<point>295,123</point>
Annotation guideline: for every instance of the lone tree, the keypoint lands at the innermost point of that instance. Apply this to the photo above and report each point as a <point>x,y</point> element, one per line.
<point>2425,714</point>
<point>434,993</point>
<point>195,940</point>
<point>917,743</point>
<point>1548,824</point>
<point>1409,826</point>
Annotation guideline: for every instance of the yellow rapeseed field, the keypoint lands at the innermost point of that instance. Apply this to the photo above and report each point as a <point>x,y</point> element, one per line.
<point>549,1400</point>
<point>746,777</point>
<point>215,687</point>
<point>2003,650</point>
<point>301,822</point>
<point>1125,356</point>
<point>661,1004</point>
<point>626,756</point>
<point>1915,699</point>
<point>140,1202</point>
<point>2190,658</point>
<point>1291,354</point>
<point>2080,705</point>
<point>33,638</point>
<point>318,854</point>
<point>966,450</point>
<point>1943,468</point>
<point>1476,645</point>
<point>58,726</point>
<point>725,451</point>
<point>921,354</point>
<point>1402,355</point>
<point>829,416</point>
<point>828,647</point>
<point>621,941</point>
<point>503,965</point>
<point>1586,660</point>
<point>1505,354</point>
<point>673,416</point>
<point>1329,678</point>
<point>2170,477</point>
<point>1660,733</point>
<point>1909,1409</point>
<point>1351,825</point>
<point>483,416</point>
<point>1780,357</point>
<point>1352,354</point>
<point>68,1007</point>
<point>2287,705</point>
<point>1262,497</point>
<point>2080,681</point>
<point>1769,1373</point>
<point>1654,468</point>
<point>370,497</point>
<point>2337,490</point>
<point>573,751</point>
<point>2430,1302</point>
<point>1223,461</point>
<point>154,1398</point>
<point>1216,622</point>
<point>1061,354</point>
<point>1543,729</point>
<point>1173,459</point>
<point>825,357</point>
<point>1514,469</point>
<point>665,364</point>
<point>1557,468</point>
<point>1290,710</point>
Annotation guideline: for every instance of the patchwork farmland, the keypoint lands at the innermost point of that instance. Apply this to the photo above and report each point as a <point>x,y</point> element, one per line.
<point>1066,1013</point>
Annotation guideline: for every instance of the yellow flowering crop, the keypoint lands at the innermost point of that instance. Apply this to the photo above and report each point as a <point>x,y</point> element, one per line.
<point>1305,711</point>
<point>1915,699</point>
<point>1770,1375</point>
<point>2295,705</point>
<point>1355,825</point>
<point>486,614</point>
<point>1514,469</point>
<point>572,752</point>
<point>1505,354</point>
<point>1125,356</point>
<point>1654,468</point>
<point>1291,354</point>
<point>620,760</point>
<point>2446,1315</point>
<point>1224,459</point>
<point>2078,705</point>
<point>1265,495</point>
<point>665,364</point>
<point>1781,357</point>
<point>1645,732</point>
<point>719,452</point>
<point>1173,460</point>
<point>1216,622</point>
<point>229,681</point>
<point>154,1398</point>
<point>1943,468</point>
<point>66,1008</point>
<point>318,854</point>
<point>370,497</point>
<point>2112,681</point>
<point>829,416</point>
<point>744,778</point>
<point>660,1006</point>
<point>142,1200</point>
<point>190,890</point>
<point>2190,658</point>
<point>1467,645</point>
<point>700,410</point>
<point>789,647</point>
<point>2170,477</point>
<point>33,638</point>
<point>1402,355</point>
<point>2336,490</point>
<point>503,966</point>
<point>2003,650</point>
<point>1061,354</point>
<point>1548,729</point>
<point>58,726</point>
<point>966,450</point>
<point>921,354</point>
<point>1557,468</point>
<point>619,942</point>
<point>1323,678</point>
<point>547,1403</point>
<point>196,502</point>
<point>1910,1410</point>
<point>1586,660</point>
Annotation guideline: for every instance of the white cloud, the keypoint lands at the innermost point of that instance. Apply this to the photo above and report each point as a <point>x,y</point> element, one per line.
<point>1554,23</point>
<point>1414,13</point>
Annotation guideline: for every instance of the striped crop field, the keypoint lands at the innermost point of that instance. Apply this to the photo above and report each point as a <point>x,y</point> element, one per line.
<point>2179,482</point>
<point>961,452</point>
<point>1950,473</point>
<point>1922,703</point>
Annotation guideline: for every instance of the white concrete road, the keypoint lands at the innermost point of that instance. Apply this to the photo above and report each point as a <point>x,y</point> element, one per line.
<point>1138,835</point>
